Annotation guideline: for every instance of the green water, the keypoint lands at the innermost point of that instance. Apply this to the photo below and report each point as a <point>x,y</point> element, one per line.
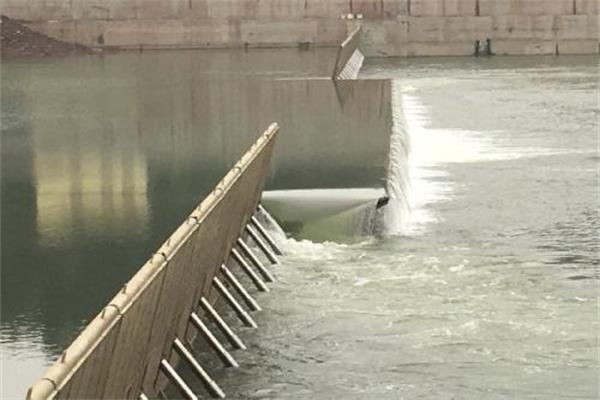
<point>488,290</point>
<point>102,157</point>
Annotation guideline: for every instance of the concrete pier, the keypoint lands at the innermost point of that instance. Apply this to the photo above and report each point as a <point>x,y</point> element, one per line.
<point>391,27</point>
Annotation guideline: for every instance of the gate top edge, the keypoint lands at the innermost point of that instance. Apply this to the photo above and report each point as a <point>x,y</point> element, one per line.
<point>343,55</point>
<point>58,374</point>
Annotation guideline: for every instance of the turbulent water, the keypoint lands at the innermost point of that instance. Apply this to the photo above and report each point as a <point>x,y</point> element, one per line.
<point>102,157</point>
<point>490,289</point>
<point>483,286</point>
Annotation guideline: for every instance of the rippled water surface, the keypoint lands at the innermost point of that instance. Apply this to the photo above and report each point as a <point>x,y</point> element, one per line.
<point>491,291</point>
<point>103,156</point>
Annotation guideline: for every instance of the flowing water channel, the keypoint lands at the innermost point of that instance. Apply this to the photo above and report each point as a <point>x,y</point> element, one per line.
<point>484,283</point>
<point>489,289</point>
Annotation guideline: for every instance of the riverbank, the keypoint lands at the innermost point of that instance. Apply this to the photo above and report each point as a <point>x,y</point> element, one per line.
<point>17,40</point>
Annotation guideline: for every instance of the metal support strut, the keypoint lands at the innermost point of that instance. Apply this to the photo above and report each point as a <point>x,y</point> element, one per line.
<point>177,380</point>
<point>237,285</point>
<point>249,271</point>
<point>265,234</point>
<point>212,340</point>
<point>250,254</point>
<point>237,308</point>
<point>266,250</point>
<point>210,384</point>
<point>234,339</point>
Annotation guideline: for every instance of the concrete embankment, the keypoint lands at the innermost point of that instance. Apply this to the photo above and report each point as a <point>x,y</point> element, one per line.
<point>391,27</point>
<point>120,353</point>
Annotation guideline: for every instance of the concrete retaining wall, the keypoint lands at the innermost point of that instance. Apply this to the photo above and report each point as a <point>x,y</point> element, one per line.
<point>391,27</point>
<point>118,353</point>
<point>450,27</point>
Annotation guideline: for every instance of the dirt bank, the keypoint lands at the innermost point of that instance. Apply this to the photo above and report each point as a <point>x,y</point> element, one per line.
<point>17,40</point>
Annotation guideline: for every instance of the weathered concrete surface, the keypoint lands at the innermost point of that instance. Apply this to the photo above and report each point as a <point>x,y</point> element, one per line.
<point>392,27</point>
<point>118,354</point>
<point>349,58</point>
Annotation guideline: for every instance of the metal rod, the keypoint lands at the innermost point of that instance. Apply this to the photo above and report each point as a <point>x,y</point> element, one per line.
<point>143,396</point>
<point>261,268</point>
<point>237,285</point>
<point>223,354</point>
<point>268,217</point>
<point>208,382</point>
<point>178,380</point>
<point>162,395</point>
<point>265,249</point>
<point>220,322</point>
<point>266,235</point>
<point>240,312</point>
<point>249,271</point>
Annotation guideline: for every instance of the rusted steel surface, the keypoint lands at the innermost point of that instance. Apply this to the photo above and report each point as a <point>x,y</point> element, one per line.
<point>118,354</point>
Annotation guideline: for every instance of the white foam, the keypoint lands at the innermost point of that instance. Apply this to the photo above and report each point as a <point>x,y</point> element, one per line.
<point>271,225</point>
<point>430,150</point>
<point>398,183</point>
<point>413,163</point>
<point>309,249</point>
<point>312,204</point>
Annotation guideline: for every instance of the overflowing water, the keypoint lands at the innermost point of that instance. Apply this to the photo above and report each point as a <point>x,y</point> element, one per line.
<point>324,214</point>
<point>102,157</point>
<point>483,286</point>
<point>396,213</point>
<point>489,289</point>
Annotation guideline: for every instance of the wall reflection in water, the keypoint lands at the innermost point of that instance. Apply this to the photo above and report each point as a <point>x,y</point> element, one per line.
<point>88,184</point>
<point>103,157</point>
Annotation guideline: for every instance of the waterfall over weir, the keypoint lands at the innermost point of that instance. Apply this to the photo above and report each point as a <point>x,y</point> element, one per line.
<point>326,214</point>
<point>347,213</point>
<point>398,178</point>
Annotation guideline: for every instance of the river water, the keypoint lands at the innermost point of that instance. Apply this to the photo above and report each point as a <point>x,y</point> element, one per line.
<point>490,289</point>
<point>487,286</point>
<point>103,157</point>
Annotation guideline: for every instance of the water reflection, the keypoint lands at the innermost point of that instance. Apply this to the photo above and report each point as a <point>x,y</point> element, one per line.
<point>82,185</point>
<point>103,157</point>
<point>324,143</point>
